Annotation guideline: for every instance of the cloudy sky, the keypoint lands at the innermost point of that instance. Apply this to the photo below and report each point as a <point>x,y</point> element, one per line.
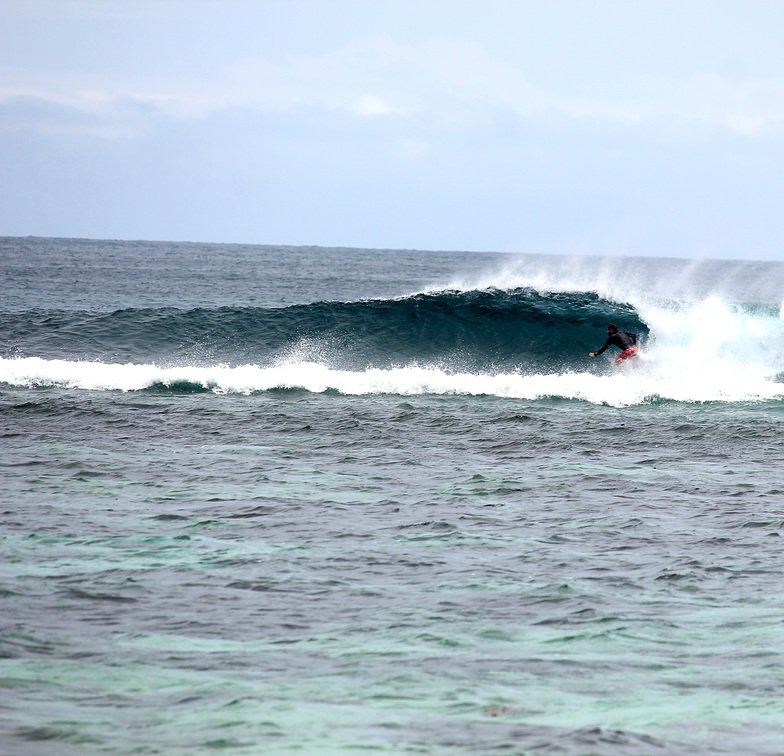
<point>651,127</point>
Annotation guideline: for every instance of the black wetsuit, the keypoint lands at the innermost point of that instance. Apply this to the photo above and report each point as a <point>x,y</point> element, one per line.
<point>622,339</point>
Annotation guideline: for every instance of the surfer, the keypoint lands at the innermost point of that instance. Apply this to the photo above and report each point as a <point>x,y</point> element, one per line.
<point>624,340</point>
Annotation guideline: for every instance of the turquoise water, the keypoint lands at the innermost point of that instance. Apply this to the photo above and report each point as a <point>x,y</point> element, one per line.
<point>392,558</point>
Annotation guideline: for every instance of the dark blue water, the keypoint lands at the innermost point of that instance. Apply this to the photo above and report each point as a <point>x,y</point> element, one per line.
<point>276,500</point>
<point>478,329</point>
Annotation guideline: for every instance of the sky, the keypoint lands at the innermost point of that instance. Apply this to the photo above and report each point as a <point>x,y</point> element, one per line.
<point>601,127</point>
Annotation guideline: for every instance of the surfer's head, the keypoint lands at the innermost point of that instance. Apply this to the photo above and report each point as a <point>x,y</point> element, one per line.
<point>612,328</point>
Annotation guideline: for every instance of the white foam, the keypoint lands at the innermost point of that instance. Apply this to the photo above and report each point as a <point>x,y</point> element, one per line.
<point>635,387</point>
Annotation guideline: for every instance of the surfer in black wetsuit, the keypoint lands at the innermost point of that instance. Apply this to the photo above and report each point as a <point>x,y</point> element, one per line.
<point>624,340</point>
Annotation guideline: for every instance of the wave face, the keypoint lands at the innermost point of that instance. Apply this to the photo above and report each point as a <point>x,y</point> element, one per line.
<point>487,330</point>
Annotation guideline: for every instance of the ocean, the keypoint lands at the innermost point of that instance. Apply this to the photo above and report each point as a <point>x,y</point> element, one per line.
<point>273,500</point>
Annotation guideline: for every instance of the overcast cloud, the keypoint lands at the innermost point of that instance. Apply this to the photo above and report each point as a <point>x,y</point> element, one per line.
<point>652,128</point>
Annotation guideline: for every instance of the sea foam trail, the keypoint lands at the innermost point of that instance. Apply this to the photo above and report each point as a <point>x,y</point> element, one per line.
<point>640,385</point>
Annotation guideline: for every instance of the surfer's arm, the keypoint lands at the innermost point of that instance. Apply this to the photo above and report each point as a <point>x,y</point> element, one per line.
<point>597,353</point>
